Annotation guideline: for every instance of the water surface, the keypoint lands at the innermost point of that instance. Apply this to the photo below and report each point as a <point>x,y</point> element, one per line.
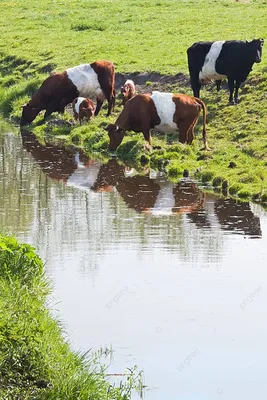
<point>172,278</point>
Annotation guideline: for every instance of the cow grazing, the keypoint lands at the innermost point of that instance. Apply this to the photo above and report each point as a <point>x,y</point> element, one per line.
<point>232,59</point>
<point>83,108</point>
<point>61,88</point>
<point>165,112</point>
<point>127,91</point>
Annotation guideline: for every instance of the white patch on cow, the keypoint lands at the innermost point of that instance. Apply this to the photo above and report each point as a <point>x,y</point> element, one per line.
<point>77,104</point>
<point>165,109</point>
<point>208,72</point>
<point>86,80</point>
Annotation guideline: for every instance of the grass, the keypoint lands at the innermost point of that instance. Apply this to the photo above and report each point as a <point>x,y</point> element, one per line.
<point>138,36</point>
<point>35,361</point>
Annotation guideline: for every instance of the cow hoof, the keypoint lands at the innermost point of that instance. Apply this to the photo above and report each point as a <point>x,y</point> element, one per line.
<point>147,147</point>
<point>237,101</point>
<point>231,103</point>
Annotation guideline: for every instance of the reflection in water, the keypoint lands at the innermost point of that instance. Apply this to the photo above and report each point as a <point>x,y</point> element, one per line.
<point>151,193</point>
<point>237,216</point>
<point>56,162</point>
<point>102,228</point>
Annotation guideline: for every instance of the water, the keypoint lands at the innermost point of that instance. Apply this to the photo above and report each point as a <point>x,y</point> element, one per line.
<point>174,280</point>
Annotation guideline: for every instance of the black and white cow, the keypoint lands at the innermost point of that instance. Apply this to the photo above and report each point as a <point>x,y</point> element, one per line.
<point>214,61</point>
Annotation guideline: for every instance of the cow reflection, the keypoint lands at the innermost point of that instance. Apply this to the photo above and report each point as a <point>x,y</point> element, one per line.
<point>56,162</point>
<point>237,216</point>
<point>151,194</point>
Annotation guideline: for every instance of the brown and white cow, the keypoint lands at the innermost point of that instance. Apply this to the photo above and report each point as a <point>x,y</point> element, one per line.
<point>83,108</point>
<point>165,112</point>
<point>127,91</point>
<point>61,88</point>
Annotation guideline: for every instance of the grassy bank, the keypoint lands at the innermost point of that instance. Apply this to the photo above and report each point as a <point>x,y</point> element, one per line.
<point>140,36</point>
<point>35,361</point>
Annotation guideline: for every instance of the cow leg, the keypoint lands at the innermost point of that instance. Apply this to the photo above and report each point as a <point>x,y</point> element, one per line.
<point>195,85</point>
<point>218,85</point>
<point>56,106</point>
<point>99,103</point>
<point>48,111</point>
<point>237,86</point>
<point>190,133</point>
<point>184,126</point>
<point>111,104</point>
<point>147,136</point>
<point>231,89</point>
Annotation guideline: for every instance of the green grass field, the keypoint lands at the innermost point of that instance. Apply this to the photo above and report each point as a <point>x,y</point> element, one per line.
<point>139,36</point>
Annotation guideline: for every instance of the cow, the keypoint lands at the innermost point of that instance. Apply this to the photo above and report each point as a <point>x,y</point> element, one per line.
<point>61,88</point>
<point>231,59</point>
<point>127,91</point>
<point>83,108</point>
<point>166,112</point>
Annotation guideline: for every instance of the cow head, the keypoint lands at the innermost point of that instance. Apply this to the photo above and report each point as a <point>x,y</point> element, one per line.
<point>87,112</point>
<point>116,134</point>
<point>28,114</point>
<point>256,46</point>
<point>124,90</point>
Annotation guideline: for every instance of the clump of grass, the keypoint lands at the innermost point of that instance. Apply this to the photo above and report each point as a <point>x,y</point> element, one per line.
<point>88,27</point>
<point>207,176</point>
<point>175,171</point>
<point>217,181</point>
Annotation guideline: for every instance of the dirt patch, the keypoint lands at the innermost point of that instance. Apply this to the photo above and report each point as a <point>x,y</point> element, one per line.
<point>146,82</point>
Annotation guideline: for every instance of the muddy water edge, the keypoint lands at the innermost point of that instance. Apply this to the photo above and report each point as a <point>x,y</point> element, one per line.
<point>170,278</point>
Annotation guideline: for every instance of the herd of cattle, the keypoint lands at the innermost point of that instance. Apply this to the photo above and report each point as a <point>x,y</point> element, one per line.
<point>166,112</point>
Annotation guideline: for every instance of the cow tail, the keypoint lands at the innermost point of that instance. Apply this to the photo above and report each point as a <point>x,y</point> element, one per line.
<point>204,132</point>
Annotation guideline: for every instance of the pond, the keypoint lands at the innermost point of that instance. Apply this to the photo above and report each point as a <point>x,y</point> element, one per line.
<point>171,278</point>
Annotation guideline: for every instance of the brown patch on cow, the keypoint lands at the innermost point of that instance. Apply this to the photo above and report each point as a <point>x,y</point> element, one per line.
<point>186,116</point>
<point>105,71</point>
<point>53,95</point>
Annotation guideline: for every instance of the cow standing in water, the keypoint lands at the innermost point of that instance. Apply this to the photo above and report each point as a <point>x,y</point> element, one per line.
<point>232,59</point>
<point>166,112</point>
<point>61,88</point>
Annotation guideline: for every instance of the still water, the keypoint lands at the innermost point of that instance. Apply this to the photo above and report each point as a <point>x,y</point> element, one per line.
<point>174,280</point>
